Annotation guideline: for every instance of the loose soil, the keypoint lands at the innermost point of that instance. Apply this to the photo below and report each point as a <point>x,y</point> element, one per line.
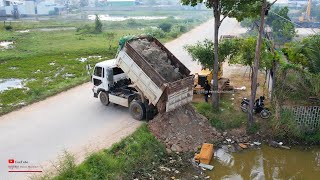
<point>182,130</point>
<point>157,58</point>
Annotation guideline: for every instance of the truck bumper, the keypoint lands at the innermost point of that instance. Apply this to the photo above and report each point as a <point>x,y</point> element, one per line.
<point>95,92</point>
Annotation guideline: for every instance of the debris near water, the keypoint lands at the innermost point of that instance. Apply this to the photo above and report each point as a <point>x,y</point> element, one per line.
<point>157,58</point>
<point>182,130</point>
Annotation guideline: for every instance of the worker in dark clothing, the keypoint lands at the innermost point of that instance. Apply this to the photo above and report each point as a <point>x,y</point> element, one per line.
<point>207,89</point>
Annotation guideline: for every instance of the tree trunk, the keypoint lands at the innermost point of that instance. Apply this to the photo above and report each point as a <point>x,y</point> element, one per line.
<point>215,95</point>
<point>256,65</point>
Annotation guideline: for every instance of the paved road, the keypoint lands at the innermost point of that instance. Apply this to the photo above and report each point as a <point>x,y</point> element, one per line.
<point>75,121</point>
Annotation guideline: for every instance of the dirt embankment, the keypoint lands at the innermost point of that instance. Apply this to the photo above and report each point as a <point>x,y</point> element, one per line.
<point>157,58</point>
<point>183,129</point>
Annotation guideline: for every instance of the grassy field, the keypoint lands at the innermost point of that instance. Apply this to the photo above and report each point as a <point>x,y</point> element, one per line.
<point>133,157</point>
<point>228,117</point>
<point>47,61</point>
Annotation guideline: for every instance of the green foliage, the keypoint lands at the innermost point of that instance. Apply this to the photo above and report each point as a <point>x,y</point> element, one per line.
<point>244,52</point>
<point>282,30</point>
<point>286,126</point>
<point>238,50</point>
<point>85,29</point>
<point>165,26</point>
<point>155,32</point>
<point>97,25</point>
<point>8,27</point>
<point>83,3</point>
<point>133,23</point>
<point>296,85</point>
<point>226,118</point>
<point>253,129</point>
<point>305,53</point>
<point>238,9</point>
<point>183,28</point>
<point>136,154</point>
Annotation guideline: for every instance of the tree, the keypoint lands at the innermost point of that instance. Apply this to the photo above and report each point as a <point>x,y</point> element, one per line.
<point>203,51</point>
<point>236,8</point>
<point>237,50</point>
<point>305,53</point>
<point>97,25</point>
<point>282,29</point>
<point>83,3</point>
<point>166,27</point>
<point>264,11</point>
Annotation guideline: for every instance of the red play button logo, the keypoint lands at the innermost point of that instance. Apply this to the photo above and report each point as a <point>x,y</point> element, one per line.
<point>11,161</point>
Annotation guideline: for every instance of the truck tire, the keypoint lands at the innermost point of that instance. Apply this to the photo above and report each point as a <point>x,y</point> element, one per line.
<point>137,110</point>
<point>104,98</point>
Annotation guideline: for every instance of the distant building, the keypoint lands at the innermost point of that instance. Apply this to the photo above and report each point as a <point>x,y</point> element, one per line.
<point>18,8</point>
<point>297,3</point>
<point>120,3</point>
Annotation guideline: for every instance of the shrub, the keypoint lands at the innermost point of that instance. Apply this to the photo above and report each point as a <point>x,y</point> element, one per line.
<point>8,27</point>
<point>183,28</point>
<point>133,23</point>
<point>155,32</point>
<point>85,29</point>
<point>286,126</point>
<point>97,25</point>
<point>165,26</point>
<point>253,129</point>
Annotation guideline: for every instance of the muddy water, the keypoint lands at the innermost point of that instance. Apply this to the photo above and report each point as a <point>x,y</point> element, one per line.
<point>267,163</point>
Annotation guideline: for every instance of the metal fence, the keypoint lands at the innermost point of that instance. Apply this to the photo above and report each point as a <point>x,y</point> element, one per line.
<point>308,116</point>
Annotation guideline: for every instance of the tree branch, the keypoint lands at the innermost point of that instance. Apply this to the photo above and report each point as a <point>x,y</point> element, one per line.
<point>269,5</point>
<point>224,16</point>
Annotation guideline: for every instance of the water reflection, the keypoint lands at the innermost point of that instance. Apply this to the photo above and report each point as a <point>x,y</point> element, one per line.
<point>267,163</point>
<point>6,84</point>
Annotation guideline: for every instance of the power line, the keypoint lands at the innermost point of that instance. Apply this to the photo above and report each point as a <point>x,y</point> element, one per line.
<point>291,21</point>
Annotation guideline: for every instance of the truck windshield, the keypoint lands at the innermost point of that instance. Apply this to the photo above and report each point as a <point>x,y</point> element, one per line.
<point>117,71</point>
<point>98,71</point>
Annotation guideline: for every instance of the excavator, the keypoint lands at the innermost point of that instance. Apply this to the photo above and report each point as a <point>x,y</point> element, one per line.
<point>206,74</point>
<point>305,20</point>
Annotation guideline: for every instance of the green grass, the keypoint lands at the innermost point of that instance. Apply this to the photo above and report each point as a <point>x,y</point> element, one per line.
<point>134,156</point>
<point>228,117</point>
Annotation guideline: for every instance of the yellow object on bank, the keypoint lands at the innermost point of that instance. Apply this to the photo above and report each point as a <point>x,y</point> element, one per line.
<point>205,154</point>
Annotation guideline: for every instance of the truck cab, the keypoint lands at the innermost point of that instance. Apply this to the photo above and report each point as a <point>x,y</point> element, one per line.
<point>105,74</point>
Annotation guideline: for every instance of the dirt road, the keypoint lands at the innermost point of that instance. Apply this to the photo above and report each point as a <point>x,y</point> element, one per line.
<point>75,121</point>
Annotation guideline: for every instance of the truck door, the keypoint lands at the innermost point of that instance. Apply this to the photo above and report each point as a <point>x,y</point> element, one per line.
<point>97,77</point>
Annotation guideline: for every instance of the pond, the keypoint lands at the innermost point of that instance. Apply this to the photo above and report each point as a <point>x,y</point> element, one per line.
<point>122,18</point>
<point>6,44</point>
<point>6,84</point>
<point>267,163</point>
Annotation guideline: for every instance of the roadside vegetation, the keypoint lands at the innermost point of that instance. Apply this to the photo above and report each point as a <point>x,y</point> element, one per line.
<point>228,117</point>
<point>296,68</point>
<point>130,158</point>
<point>139,155</point>
<point>50,56</point>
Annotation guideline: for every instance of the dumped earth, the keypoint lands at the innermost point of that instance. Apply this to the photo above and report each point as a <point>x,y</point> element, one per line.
<point>157,58</point>
<point>182,130</point>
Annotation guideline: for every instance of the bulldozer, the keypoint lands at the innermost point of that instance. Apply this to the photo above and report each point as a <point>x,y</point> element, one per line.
<point>206,74</point>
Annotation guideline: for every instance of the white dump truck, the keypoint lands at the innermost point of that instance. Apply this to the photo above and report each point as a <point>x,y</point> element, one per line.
<point>132,81</point>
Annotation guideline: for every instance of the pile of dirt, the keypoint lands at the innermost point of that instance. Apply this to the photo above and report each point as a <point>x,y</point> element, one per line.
<point>183,129</point>
<point>157,58</point>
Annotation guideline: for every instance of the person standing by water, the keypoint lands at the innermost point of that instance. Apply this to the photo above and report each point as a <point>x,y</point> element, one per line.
<point>207,89</point>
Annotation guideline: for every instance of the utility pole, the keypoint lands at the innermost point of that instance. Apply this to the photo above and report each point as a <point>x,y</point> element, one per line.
<point>256,63</point>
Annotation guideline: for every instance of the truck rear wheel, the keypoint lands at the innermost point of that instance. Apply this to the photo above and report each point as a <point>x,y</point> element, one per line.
<point>104,98</point>
<point>137,110</point>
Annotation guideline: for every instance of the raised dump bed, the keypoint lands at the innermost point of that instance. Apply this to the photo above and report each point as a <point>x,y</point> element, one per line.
<point>156,72</point>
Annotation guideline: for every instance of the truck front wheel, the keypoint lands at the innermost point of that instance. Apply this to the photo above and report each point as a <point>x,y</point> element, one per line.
<point>137,110</point>
<point>104,98</point>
